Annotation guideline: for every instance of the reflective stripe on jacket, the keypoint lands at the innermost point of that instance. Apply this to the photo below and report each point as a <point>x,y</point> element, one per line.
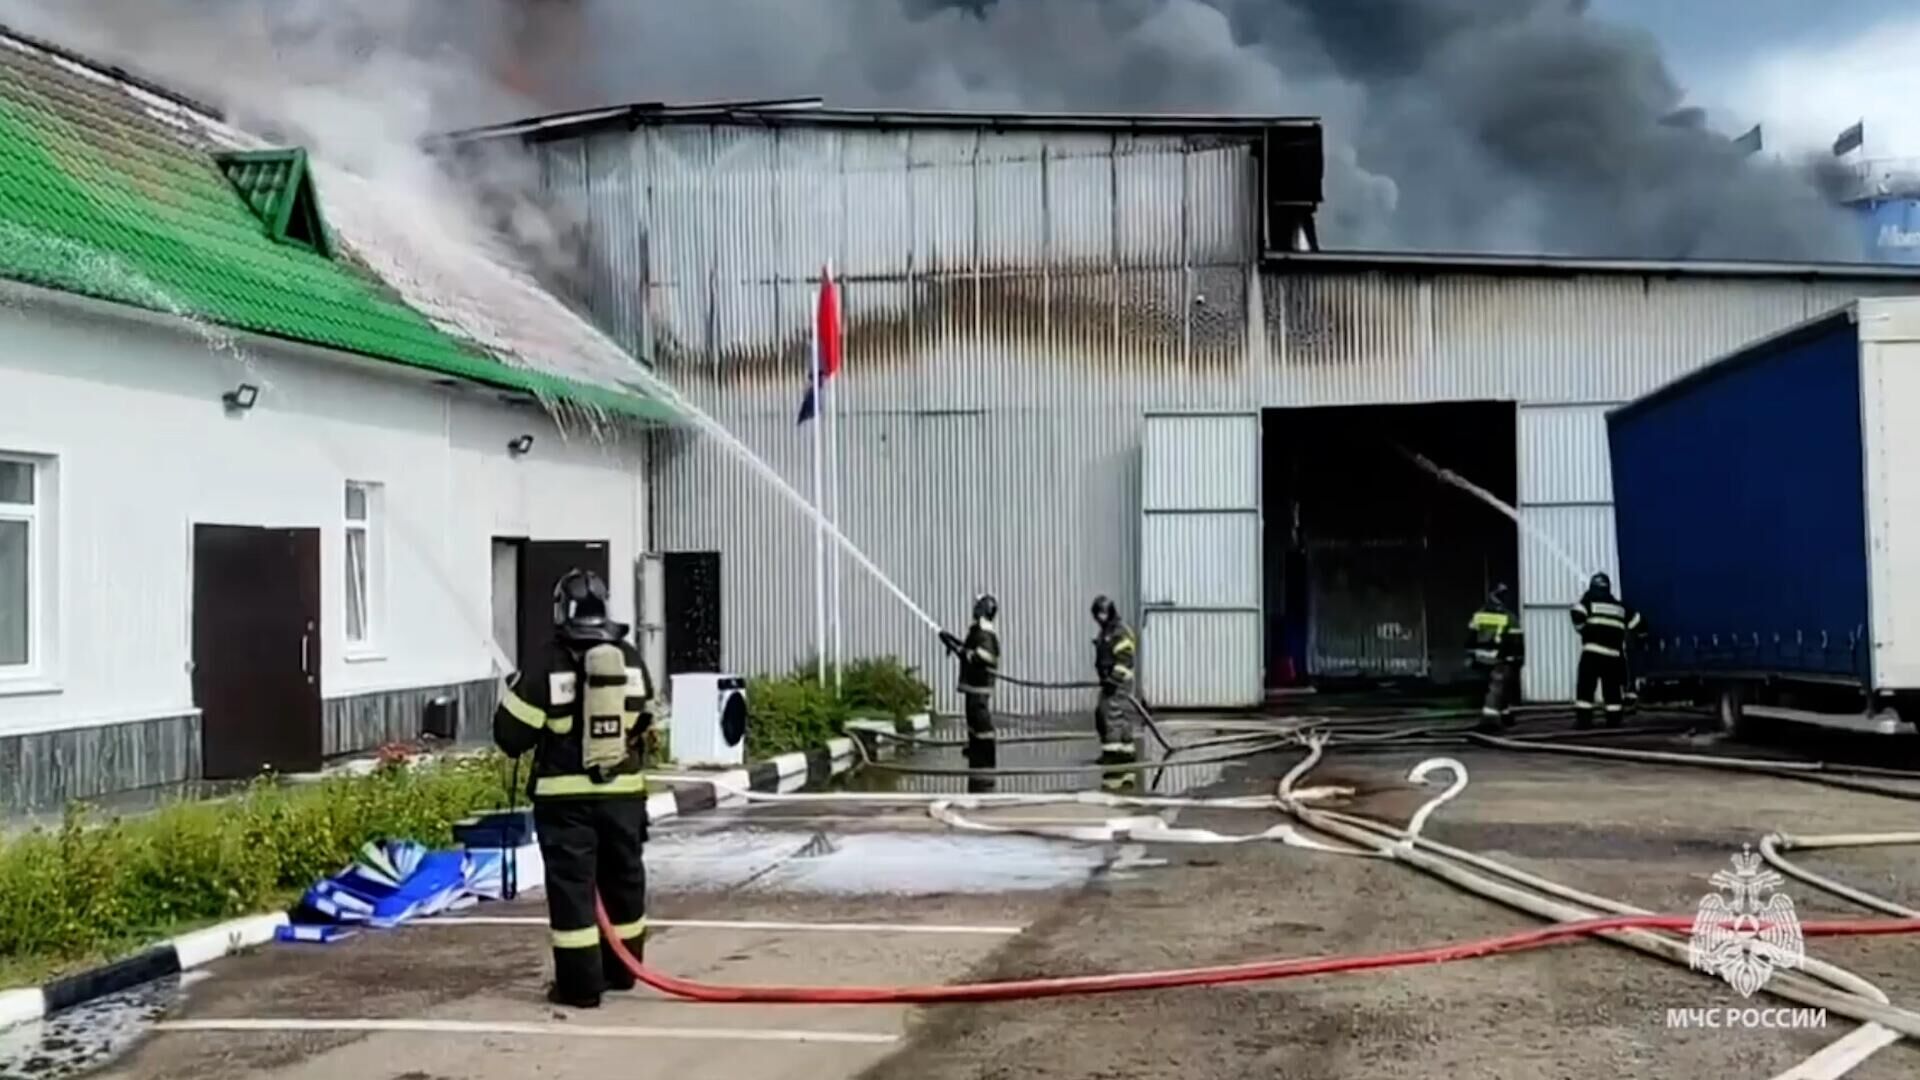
<point>1495,637</point>
<point>1113,655</point>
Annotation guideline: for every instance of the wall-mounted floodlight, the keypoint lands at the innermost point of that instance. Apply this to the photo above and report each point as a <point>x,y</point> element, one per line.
<point>241,398</point>
<point>521,445</point>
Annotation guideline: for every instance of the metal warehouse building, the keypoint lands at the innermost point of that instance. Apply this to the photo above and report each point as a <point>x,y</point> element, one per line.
<point>1090,355</point>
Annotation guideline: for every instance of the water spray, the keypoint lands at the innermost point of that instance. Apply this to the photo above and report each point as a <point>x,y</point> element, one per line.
<point>1448,476</point>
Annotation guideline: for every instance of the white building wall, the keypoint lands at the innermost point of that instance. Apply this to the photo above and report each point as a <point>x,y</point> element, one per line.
<point>132,412</point>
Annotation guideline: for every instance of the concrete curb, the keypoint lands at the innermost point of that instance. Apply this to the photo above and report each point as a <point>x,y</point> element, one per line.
<point>184,953</point>
<point>866,730</point>
<point>201,947</point>
<point>820,763</point>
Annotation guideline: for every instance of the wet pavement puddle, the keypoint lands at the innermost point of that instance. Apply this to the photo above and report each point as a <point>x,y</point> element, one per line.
<point>88,1036</point>
<point>873,863</point>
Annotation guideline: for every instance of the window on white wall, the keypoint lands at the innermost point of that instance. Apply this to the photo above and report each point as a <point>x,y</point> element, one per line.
<point>23,520</point>
<point>365,565</point>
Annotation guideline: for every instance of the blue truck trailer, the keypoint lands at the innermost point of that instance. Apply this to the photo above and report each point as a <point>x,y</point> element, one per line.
<point>1767,508</point>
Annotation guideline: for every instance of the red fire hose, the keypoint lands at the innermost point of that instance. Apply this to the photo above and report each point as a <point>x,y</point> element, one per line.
<point>1256,971</point>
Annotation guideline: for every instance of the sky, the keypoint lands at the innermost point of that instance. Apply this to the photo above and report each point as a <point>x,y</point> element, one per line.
<point>1805,69</point>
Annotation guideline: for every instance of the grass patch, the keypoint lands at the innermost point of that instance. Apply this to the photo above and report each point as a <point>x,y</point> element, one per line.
<point>95,888</point>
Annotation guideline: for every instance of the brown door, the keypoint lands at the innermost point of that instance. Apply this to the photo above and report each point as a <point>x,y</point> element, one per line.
<point>256,649</point>
<point>542,564</point>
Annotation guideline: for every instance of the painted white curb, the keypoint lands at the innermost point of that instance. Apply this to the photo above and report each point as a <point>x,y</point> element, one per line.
<point>837,748</point>
<point>661,806</point>
<point>790,764</point>
<point>206,946</point>
<point>921,723</point>
<point>21,1007</point>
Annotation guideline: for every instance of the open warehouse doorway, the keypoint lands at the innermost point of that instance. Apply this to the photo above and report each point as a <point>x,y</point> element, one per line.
<point>1373,566</point>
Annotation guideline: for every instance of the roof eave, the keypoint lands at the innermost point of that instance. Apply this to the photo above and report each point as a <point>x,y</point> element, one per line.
<point>1566,266</point>
<point>483,372</point>
<point>806,113</point>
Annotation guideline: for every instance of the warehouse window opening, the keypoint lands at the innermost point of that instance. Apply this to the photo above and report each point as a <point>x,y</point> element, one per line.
<point>365,566</point>
<point>25,509</point>
<point>1373,567</point>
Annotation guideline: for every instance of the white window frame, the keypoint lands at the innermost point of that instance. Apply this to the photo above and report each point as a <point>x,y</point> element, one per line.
<point>373,526</point>
<point>41,519</point>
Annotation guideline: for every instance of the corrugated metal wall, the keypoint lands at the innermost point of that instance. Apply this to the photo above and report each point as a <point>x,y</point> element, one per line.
<point>1013,303</point>
<point>1566,509</point>
<point>1201,559</point>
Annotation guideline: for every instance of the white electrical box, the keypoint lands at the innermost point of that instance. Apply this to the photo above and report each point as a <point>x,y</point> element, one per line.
<point>708,724</point>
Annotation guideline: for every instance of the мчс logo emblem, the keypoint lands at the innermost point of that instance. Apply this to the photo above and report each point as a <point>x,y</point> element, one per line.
<point>1740,937</point>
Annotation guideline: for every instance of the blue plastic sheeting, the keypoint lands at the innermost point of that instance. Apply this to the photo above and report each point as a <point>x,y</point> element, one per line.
<point>397,880</point>
<point>316,934</point>
<point>1740,513</point>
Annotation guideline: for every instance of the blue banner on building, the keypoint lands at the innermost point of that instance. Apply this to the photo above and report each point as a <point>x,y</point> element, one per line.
<point>1890,230</point>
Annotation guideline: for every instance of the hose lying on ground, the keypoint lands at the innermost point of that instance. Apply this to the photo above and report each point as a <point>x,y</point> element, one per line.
<point>1772,845</point>
<point>1812,772</point>
<point>1856,998</point>
<point>1151,829</point>
<point>867,762</point>
<point>1219,975</point>
<point>1860,1000</point>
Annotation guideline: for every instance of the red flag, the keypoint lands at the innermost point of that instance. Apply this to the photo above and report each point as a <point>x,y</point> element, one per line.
<point>829,316</point>
<point>826,341</point>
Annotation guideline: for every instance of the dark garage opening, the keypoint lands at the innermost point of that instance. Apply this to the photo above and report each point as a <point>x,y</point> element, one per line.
<point>1374,566</point>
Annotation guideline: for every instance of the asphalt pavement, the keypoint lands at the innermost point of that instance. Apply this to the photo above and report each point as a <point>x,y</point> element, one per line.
<point>844,892</point>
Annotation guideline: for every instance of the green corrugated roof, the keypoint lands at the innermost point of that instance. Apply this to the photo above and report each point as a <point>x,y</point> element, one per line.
<point>100,196</point>
<point>276,187</point>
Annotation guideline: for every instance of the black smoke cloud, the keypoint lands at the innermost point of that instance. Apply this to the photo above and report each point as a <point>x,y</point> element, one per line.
<point>1453,125</point>
<point>1468,125</point>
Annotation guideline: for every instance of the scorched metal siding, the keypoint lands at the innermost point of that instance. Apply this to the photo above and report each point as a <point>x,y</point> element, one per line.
<point>1014,302</point>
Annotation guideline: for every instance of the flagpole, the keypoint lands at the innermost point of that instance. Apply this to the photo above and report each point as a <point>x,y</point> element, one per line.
<point>833,473</point>
<point>819,519</point>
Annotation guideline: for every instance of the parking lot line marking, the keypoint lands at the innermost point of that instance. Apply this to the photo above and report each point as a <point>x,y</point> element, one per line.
<point>715,821</point>
<point>504,1027</point>
<point>724,924</point>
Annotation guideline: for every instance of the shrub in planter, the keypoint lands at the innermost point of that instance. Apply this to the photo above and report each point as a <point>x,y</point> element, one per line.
<point>792,712</point>
<point>885,685</point>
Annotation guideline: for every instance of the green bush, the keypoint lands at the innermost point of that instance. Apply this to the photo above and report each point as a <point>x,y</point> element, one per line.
<point>92,887</point>
<point>794,712</point>
<point>885,685</point>
<point>791,712</point>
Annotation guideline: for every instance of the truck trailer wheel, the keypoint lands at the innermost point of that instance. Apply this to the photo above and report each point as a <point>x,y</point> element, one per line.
<point>1730,711</point>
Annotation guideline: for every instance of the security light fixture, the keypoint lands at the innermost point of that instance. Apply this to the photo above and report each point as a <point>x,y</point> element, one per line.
<point>520,445</point>
<point>241,398</point>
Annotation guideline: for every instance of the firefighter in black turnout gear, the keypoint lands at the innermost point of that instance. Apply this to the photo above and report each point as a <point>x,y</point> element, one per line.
<point>1113,658</point>
<point>1499,649</point>
<point>581,705</point>
<point>1606,626</point>
<point>979,657</point>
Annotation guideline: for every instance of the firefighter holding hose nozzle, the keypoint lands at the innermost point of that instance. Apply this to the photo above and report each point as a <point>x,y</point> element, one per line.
<point>581,707</point>
<point>1607,626</point>
<point>979,657</point>
<point>1113,657</point>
